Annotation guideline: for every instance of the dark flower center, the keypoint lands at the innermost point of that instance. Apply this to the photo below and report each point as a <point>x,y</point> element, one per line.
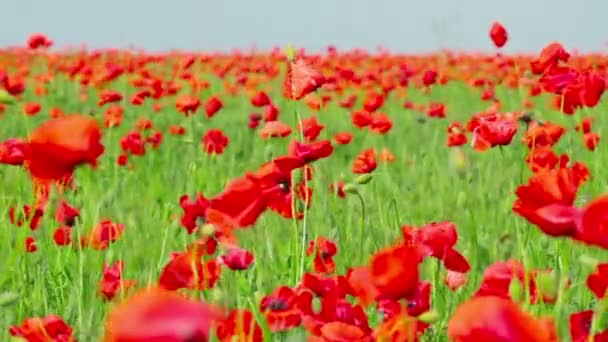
<point>277,304</point>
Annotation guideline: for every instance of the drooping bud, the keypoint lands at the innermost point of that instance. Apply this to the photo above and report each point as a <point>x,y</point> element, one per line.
<point>364,178</point>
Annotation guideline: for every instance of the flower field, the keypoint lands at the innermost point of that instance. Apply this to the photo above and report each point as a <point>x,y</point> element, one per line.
<point>295,196</point>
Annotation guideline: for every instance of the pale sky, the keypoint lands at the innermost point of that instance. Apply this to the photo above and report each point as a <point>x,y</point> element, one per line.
<point>399,25</point>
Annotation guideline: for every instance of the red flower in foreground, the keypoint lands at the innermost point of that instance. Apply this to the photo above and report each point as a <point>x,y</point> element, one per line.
<point>215,141</point>
<point>549,187</point>
<point>591,140</point>
<point>301,79</point>
<point>47,329</point>
<point>365,162</point>
<point>497,319</point>
<point>63,236</point>
<point>59,145</point>
<point>112,282</point>
<point>160,315</point>
<point>311,152</point>
<point>239,325</point>
<point>580,328</point>
<point>549,58</point>
<point>394,271</point>
<point>546,134</point>
<point>456,134</point>
<point>597,282</point>
<point>30,245</point>
<point>280,309</point>
<point>498,34</point>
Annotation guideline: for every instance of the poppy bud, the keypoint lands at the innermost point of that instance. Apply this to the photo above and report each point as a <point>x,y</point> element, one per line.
<point>6,98</point>
<point>207,230</point>
<point>290,52</point>
<point>364,178</point>
<point>516,291</point>
<point>8,298</point>
<point>429,317</point>
<point>547,284</point>
<point>351,189</point>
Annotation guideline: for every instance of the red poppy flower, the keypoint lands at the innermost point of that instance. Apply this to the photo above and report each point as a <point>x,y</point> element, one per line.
<point>212,106</point>
<point>493,131</point>
<point>113,116</point>
<point>591,140</point>
<point>29,214</point>
<point>38,40</point>
<point>590,222</point>
<point>155,139</point>
<point>373,102</point>
<point>139,97</point>
<point>399,328</point>
<point>348,102</point>
<point>194,211</point>
<point>59,145</point>
<point>338,189</point>
<point>103,234</point>
<point>386,156</point>
<point>381,123</point>
<point>275,129</point>
<point>215,141</point>
<point>585,125</point>
<point>133,143</point>
<point>456,135</point>
<point>541,158</point>
<point>108,96</point>
<point>240,325</point>
<point>365,162</point>
<point>65,214</point>
<point>455,280</point>
<point>438,240</point>
<point>301,79</point>
<point>260,99</point>
<point>12,151</point>
<point>429,77</point>
<point>49,328</point>
<point>159,315</point>
<point>143,124</point>
<point>311,152</point>
<point>187,104</point>
<point>31,108</point>
<point>497,319</point>
<point>580,328</point>
<point>63,236</point>
<point>549,58</point>
<point>310,128</point>
<point>597,282</point>
<point>498,34</point>
<point>436,110</point>
<point>324,250</point>
<point>343,138</point>
<point>30,244</point>
<point>394,271</point>
<point>111,282</point>
<point>545,188</point>
<point>322,324</point>
<point>177,130</point>
<point>361,119</point>
<point>271,113</point>
<point>187,270</point>
<point>546,134</point>
<point>280,309</point>
<point>242,201</point>
<point>237,259</point>
<point>322,285</point>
